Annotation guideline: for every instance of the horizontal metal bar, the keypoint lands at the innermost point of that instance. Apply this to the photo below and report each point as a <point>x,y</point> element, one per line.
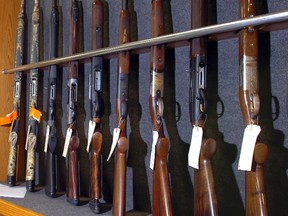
<point>166,39</point>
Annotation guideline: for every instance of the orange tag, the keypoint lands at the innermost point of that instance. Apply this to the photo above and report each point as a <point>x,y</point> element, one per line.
<point>8,119</point>
<point>36,114</point>
<point>5,121</point>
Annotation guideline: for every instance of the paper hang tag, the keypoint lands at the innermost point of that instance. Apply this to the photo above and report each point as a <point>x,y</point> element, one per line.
<point>116,134</point>
<point>5,121</point>
<point>248,144</point>
<point>47,138</point>
<point>153,150</point>
<point>67,141</point>
<point>8,119</point>
<point>91,130</point>
<point>36,114</point>
<point>195,147</point>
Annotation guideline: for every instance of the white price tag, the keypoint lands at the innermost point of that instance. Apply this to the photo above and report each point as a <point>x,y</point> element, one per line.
<point>116,134</point>
<point>67,141</point>
<point>153,151</point>
<point>47,138</point>
<point>91,130</point>
<point>195,147</point>
<point>248,144</point>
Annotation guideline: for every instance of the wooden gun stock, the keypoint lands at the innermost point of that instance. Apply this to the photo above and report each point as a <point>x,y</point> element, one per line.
<point>95,172</point>
<point>255,197</point>
<point>205,201</point>
<point>161,188</point>
<point>73,182</point>
<point>119,192</point>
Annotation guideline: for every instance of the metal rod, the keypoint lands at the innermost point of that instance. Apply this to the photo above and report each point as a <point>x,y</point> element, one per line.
<point>124,4</point>
<point>166,39</point>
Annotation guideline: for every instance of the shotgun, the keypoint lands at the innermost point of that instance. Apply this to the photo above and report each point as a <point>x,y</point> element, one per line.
<point>205,202</point>
<point>13,118</point>
<point>34,114</point>
<point>161,197</point>
<point>95,136</point>
<point>72,141</point>
<point>120,140</point>
<point>51,139</point>
<point>255,196</point>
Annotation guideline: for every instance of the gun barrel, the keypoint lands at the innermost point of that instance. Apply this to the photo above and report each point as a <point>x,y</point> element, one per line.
<point>124,4</point>
<point>54,3</point>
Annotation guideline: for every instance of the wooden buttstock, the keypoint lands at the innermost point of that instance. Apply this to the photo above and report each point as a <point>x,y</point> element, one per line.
<point>205,201</point>
<point>95,166</point>
<point>161,187</point>
<point>73,181</point>
<point>119,192</point>
<point>256,201</point>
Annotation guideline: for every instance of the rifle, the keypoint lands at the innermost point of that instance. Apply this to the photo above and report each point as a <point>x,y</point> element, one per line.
<point>95,136</point>
<point>13,118</point>
<point>34,114</point>
<point>205,202</point>
<point>51,139</point>
<point>255,197</point>
<point>72,141</point>
<point>120,140</point>
<point>161,196</point>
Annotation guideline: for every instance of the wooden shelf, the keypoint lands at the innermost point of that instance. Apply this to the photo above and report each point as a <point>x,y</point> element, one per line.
<point>10,209</point>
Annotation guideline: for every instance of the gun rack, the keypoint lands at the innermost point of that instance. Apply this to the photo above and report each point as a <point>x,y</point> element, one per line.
<point>266,22</point>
